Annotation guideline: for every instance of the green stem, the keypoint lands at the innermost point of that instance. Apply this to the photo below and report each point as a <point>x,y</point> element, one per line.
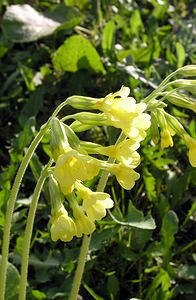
<point>10,207</point>
<point>160,87</point>
<point>29,229</point>
<point>80,267</point>
<point>86,239</point>
<point>56,111</point>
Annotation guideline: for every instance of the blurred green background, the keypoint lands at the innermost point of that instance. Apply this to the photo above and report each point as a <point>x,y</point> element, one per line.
<point>50,50</point>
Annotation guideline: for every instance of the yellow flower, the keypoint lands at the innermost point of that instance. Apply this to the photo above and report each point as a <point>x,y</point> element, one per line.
<point>94,203</point>
<point>123,112</point>
<point>166,138</point>
<point>125,175</point>
<point>124,152</point>
<point>72,166</point>
<point>83,224</point>
<point>63,227</point>
<point>191,144</point>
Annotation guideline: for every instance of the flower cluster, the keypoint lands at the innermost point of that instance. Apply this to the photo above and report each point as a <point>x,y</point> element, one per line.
<point>169,126</point>
<point>75,162</point>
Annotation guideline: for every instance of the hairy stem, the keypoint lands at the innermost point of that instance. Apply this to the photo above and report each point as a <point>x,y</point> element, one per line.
<point>28,231</point>
<point>86,239</point>
<point>10,207</point>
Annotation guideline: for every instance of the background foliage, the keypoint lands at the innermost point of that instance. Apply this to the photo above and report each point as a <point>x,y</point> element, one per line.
<point>92,48</point>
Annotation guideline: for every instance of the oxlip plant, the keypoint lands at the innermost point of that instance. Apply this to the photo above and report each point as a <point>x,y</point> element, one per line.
<point>75,208</point>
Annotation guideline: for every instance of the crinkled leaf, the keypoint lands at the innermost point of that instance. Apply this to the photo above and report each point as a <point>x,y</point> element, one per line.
<point>22,23</point>
<point>77,53</point>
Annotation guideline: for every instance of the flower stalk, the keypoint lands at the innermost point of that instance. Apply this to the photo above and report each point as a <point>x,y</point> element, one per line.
<point>86,239</point>
<point>10,206</point>
<point>28,231</point>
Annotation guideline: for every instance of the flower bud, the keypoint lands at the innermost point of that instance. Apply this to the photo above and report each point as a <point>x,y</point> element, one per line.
<point>84,225</point>
<point>161,118</point>
<point>77,126</point>
<point>185,83</point>
<point>154,129</point>
<point>188,70</point>
<point>90,118</point>
<point>175,124</point>
<point>56,195</point>
<point>58,138</point>
<point>74,141</point>
<point>181,100</point>
<point>82,102</point>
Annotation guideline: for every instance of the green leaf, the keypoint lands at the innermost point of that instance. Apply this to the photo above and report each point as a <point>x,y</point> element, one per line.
<point>162,282</point>
<point>169,228</point>
<point>26,135</point>
<point>170,224</point>
<point>135,218</point>
<point>13,282</point>
<point>79,3</point>
<point>113,286</point>
<point>77,53</point>
<point>38,295</point>
<point>108,38</point>
<point>32,107</point>
<point>149,181</point>
<point>139,238</point>
<point>99,238</point>
<point>136,22</point>
<point>181,55</point>
<point>187,272</point>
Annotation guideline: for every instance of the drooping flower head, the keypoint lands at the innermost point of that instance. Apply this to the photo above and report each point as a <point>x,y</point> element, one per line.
<point>94,203</point>
<point>166,139</point>
<point>84,225</point>
<point>63,227</point>
<point>72,166</point>
<point>125,175</point>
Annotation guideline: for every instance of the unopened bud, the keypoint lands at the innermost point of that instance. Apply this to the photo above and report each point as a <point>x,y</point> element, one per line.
<point>56,195</point>
<point>77,126</point>
<point>188,70</point>
<point>181,100</point>
<point>175,124</point>
<point>90,118</point>
<point>74,141</point>
<point>185,83</point>
<point>58,139</point>
<point>161,118</point>
<point>82,102</point>
<point>154,129</point>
